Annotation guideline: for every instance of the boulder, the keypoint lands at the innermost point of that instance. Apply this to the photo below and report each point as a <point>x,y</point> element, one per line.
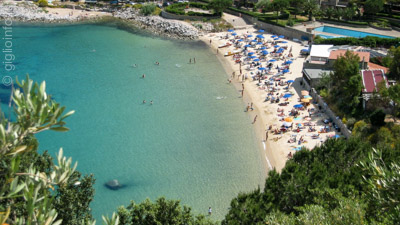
<point>113,184</point>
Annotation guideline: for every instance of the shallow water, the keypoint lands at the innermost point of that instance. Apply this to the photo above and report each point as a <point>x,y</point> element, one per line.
<point>194,143</point>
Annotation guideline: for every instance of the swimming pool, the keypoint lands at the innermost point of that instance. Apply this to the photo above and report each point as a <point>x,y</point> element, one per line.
<point>347,32</point>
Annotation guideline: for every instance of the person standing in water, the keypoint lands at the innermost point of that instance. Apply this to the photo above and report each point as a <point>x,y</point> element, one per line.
<point>190,60</point>
<point>194,60</point>
<point>151,102</point>
<point>209,211</point>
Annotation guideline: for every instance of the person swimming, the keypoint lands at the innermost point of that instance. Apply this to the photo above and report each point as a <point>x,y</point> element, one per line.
<point>134,65</point>
<point>143,76</point>
<point>144,101</point>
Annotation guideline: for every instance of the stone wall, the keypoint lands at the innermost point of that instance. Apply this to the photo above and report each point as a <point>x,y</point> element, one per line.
<point>168,15</point>
<point>288,32</point>
<point>343,128</point>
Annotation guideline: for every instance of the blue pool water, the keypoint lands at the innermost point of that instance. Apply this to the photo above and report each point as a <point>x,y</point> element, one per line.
<point>346,32</point>
<point>188,145</point>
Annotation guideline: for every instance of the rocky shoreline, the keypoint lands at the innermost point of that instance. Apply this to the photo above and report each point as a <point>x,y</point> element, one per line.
<point>29,12</point>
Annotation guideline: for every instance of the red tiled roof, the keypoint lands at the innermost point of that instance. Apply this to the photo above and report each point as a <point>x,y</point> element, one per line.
<point>371,78</point>
<point>337,53</point>
<point>373,66</point>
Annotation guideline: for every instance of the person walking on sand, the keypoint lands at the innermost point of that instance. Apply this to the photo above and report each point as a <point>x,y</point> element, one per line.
<point>242,93</point>
<point>255,119</point>
<point>209,211</point>
<point>251,107</point>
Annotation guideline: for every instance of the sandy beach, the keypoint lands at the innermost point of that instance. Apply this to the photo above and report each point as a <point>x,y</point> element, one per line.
<point>76,13</point>
<point>278,147</point>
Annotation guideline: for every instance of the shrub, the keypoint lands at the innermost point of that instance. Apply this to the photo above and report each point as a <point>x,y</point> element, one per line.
<point>157,11</point>
<point>377,118</point>
<point>42,3</point>
<point>290,22</point>
<point>148,9</point>
<point>137,6</point>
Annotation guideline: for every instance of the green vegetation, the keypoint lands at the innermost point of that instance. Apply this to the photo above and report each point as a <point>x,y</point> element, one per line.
<point>368,41</point>
<point>179,9</point>
<point>160,212</point>
<point>43,3</point>
<point>148,9</point>
<point>220,5</point>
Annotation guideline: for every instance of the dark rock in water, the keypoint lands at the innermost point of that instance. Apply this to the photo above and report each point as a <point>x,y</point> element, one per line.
<point>113,184</point>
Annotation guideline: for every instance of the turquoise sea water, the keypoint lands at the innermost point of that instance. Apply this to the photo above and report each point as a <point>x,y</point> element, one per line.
<point>187,145</point>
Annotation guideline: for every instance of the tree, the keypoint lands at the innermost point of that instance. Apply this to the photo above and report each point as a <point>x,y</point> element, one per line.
<point>279,6</point>
<point>329,12</point>
<point>30,183</point>
<point>160,212</point>
<point>220,5</point>
<point>384,189</point>
<point>298,6</point>
<point>348,83</point>
<point>309,7</point>
<point>394,94</point>
<point>372,7</point>
<point>263,4</point>
<point>394,68</point>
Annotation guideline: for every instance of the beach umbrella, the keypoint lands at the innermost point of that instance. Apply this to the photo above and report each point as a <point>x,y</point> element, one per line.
<point>304,92</point>
<point>275,39</point>
<point>290,81</point>
<point>261,30</point>
<point>272,60</point>
<point>298,106</point>
<point>234,34</point>
<point>240,40</point>
<point>250,35</point>
<point>256,60</point>
<point>305,100</point>
<point>273,36</point>
<point>289,62</point>
<point>285,71</point>
<point>284,42</point>
<point>259,43</point>
<point>265,52</point>
<point>276,46</point>
<point>305,50</point>
<point>281,36</point>
<point>289,119</point>
<point>263,47</point>
<point>260,36</point>
<point>250,53</point>
<point>307,97</point>
<point>287,96</point>
<point>262,68</point>
<point>254,40</point>
<point>253,56</point>
<point>230,30</point>
<point>287,124</point>
<point>247,46</point>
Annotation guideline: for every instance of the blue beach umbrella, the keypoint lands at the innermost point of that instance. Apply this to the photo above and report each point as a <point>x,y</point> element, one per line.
<point>256,60</point>
<point>279,51</point>
<point>287,96</point>
<point>240,40</point>
<point>285,71</point>
<point>290,81</point>
<point>260,36</point>
<point>265,52</point>
<point>254,41</point>
<point>275,39</point>
<point>250,35</point>
<point>298,106</point>
<point>263,47</point>
<point>261,31</point>
<point>253,56</point>
<point>250,53</point>
<point>259,43</point>
<point>289,62</point>
<point>272,60</point>
<point>230,30</point>
<point>276,46</point>
<point>281,36</point>
<point>305,50</point>
<point>234,34</point>
<point>273,36</point>
<point>247,46</point>
<point>262,68</point>
<point>284,42</point>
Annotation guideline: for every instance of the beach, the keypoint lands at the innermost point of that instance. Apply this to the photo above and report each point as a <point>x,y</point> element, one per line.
<point>278,147</point>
